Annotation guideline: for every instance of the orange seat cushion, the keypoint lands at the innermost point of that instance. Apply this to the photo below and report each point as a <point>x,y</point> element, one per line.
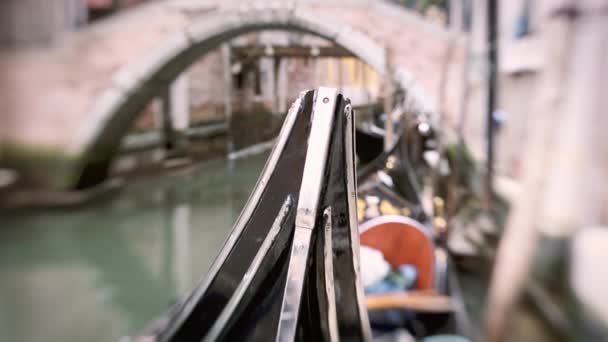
<point>402,243</point>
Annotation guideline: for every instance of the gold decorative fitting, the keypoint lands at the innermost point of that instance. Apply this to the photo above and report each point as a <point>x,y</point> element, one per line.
<point>391,162</point>
<point>440,224</point>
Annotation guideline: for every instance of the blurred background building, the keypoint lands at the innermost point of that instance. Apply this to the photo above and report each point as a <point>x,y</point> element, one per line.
<point>35,28</point>
<point>91,90</point>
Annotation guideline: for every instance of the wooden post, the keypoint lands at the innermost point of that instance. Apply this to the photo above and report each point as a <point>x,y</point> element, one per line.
<point>562,179</point>
<point>388,102</point>
<point>276,71</point>
<point>227,64</point>
<point>283,85</point>
<point>315,68</point>
<point>180,110</point>
<point>466,87</point>
<point>338,62</point>
<point>492,41</point>
<point>172,116</point>
<point>166,119</point>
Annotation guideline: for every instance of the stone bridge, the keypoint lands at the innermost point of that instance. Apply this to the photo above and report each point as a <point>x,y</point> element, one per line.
<point>66,107</point>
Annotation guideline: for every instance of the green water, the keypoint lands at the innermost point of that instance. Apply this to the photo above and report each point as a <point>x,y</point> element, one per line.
<point>102,272</point>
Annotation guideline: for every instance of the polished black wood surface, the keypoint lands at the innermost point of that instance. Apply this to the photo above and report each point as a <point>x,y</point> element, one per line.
<point>258,313</point>
<point>291,162</point>
<point>349,316</point>
<point>369,145</point>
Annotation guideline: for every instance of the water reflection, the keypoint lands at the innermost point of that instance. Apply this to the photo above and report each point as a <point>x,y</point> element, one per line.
<point>98,273</point>
<point>181,247</point>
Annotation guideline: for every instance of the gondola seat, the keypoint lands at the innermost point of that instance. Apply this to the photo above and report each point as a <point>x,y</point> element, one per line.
<point>402,241</point>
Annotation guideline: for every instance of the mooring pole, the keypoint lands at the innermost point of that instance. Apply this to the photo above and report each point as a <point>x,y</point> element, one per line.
<point>227,63</point>
<point>388,103</point>
<point>166,119</point>
<point>492,33</point>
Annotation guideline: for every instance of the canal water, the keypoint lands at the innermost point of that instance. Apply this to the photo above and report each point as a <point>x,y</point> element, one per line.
<point>104,271</point>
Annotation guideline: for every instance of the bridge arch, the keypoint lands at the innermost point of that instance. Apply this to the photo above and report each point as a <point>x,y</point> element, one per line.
<point>136,84</point>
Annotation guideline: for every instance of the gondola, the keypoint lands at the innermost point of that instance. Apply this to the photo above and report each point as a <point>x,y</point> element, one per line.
<point>392,220</point>
<point>290,268</point>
